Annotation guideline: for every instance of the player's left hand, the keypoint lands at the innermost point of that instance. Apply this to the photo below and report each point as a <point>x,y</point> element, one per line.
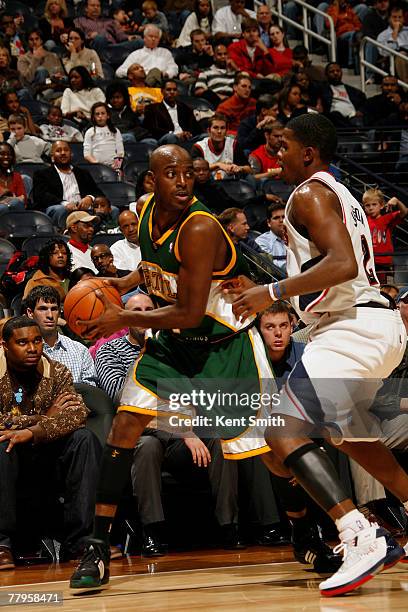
<point>251,301</point>
<point>106,324</point>
<point>19,436</point>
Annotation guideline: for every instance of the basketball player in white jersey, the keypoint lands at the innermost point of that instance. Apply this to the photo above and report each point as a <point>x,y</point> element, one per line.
<point>356,341</point>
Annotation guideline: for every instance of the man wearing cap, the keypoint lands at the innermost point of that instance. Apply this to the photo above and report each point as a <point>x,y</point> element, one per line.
<point>80,228</point>
<point>63,188</point>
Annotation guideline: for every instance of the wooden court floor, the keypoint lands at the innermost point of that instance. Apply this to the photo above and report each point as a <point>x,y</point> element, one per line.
<point>254,579</point>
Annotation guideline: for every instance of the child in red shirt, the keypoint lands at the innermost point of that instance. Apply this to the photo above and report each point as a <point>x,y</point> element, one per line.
<point>381,227</point>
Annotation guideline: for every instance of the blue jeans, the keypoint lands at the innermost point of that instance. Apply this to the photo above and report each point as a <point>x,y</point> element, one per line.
<point>14,204</point>
<point>100,44</point>
<point>58,214</point>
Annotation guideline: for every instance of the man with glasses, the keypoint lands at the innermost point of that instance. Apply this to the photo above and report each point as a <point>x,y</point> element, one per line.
<point>102,259</point>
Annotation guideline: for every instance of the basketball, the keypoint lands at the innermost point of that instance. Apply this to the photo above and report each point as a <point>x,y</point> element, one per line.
<point>82,304</point>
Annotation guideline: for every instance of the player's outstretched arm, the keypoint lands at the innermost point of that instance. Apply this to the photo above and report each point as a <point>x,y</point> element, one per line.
<point>201,244</point>
<point>317,213</point>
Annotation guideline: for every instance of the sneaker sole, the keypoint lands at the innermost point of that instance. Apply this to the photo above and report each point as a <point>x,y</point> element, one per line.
<point>82,589</point>
<point>393,558</point>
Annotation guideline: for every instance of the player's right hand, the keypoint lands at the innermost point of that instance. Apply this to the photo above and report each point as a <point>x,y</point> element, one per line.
<point>251,302</point>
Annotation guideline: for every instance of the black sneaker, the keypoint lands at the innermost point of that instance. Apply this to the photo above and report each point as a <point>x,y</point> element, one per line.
<point>310,549</point>
<point>93,570</point>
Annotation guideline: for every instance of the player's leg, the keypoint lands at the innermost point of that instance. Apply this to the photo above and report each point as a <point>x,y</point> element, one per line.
<point>309,547</point>
<point>367,548</point>
<point>93,570</point>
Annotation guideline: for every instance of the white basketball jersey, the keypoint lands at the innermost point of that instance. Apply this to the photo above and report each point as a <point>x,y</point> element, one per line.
<point>302,254</point>
<point>226,155</point>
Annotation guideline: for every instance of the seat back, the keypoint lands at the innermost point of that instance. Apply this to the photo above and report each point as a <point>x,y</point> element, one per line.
<point>22,224</point>
<point>119,194</point>
<point>99,172</point>
<point>6,251</point>
<point>29,168</point>
<point>133,169</point>
<point>108,239</point>
<point>33,245</point>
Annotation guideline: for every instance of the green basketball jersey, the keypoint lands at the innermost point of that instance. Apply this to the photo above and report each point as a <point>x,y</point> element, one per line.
<point>161,263</point>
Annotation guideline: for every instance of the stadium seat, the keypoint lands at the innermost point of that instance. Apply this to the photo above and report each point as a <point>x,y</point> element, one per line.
<point>238,190</point>
<point>77,149</point>
<point>99,172</point>
<point>38,109</point>
<point>34,244</point>
<point>115,56</point>
<point>6,251</point>
<point>108,71</point>
<point>138,151</point>
<point>278,188</point>
<point>132,170</point>
<point>256,216</point>
<point>29,168</point>
<point>196,103</point>
<point>108,239</point>
<point>25,223</point>
<point>16,304</point>
<point>119,194</point>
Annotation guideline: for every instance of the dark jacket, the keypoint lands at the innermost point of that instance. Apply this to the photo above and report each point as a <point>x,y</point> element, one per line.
<point>48,190</point>
<point>127,121</point>
<point>357,98</point>
<point>158,122</point>
<point>378,108</point>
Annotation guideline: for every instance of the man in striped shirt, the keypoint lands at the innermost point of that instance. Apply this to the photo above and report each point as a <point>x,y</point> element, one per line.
<point>215,83</point>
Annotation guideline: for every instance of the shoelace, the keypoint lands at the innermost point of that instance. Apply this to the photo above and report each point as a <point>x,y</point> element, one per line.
<point>352,552</point>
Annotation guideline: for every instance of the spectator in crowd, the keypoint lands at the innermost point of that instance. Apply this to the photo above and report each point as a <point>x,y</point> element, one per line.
<point>54,23</point>
<point>103,142</point>
<point>235,223</point>
<point>265,20</point>
<point>125,21</point>
<point>222,152</point>
<point>157,61</point>
<point>385,104</point>
<point>342,104</point>
<point>381,226</point>
<point>42,421</point>
<point>43,305</point>
<point>290,103</point>
<point>300,55</point>
<point>114,358</point>
<point>63,188</point>
<point>250,54</point>
<point>106,213</point>
<point>14,40</point>
<point>280,52</point>
<point>391,290</point>
<point>126,252</point>
<point>9,78</point>
<point>140,93</point>
<point>250,132</point>
<point>170,121</point>
<point>396,37</point>
<point>240,105</point>
<point>216,83</point>
<point>122,115</point>
<point>80,229</point>
<point>11,105</point>
<point>199,19</point>
<point>12,190</point>
<point>77,54</point>
<point>54,268</point>
<point>197,57</point>
<point>374,22</point>
<point>228,19</point>
<point>79,97</point>
<point>55,129</point>
<point>102,32</point>
<point>27,148</point>
<point>38,64</point>
<point>310,92</point>
<point>81,273</point>
<point>347,25</point>
<point>151,15</point>
<point>272,242</point>
<point>264,159</point>
<point>102,259</point>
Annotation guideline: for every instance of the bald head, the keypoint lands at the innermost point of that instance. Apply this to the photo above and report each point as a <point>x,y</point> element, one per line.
<point>128,223</point>
<point>141,303</point>
<point>166,154</point>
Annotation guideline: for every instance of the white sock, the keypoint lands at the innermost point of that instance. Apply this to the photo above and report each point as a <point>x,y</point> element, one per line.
<point>350,524</point>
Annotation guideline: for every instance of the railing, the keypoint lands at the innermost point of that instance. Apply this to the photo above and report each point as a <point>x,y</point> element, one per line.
<point>366,64</point>
<point>307,9</point>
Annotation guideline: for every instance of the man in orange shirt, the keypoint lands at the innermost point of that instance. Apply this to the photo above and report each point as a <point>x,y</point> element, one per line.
<point>240,104</point>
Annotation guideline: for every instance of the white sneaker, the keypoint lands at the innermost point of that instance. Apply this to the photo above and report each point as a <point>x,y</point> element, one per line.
<point>371,551</point>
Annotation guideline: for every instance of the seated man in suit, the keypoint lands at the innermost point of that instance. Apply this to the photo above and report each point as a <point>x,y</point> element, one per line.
<point>342,104</point>
<point>170,121</point>
<point>63,188</point>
